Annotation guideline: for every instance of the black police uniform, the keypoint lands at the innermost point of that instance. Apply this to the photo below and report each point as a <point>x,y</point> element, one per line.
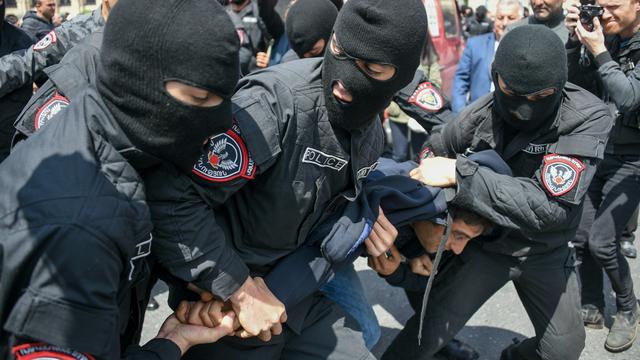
<point>279,171</point>
<point>74,213</point>
<point>67,80</point>
<point>613,196</point>
<point>24,67</point>
<point>261,24</point>
<point>11,103</point>
<point>537,209</point>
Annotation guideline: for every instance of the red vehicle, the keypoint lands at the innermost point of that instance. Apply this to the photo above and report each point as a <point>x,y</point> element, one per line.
<point>446,34</point>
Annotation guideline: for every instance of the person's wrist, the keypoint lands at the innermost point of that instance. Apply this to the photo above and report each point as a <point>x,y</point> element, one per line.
<point>182,343</point>
<point>598,50</point>
<point>390,270</point>
<point>237,296</point>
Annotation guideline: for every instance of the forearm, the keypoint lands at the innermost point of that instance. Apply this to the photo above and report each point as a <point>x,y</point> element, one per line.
<point>15,70</point>
<point>624,90</point>
<point>512,202</point>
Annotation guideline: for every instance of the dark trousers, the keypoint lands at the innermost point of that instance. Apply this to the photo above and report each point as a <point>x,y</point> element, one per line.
<point>406,143</point>
<point>628,234</point>
<point>546,284</point>
<point>611,200</point>
<point>327,333</point>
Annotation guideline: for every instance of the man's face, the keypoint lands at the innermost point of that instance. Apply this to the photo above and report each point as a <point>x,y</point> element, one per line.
<point>545,9</point>
<point>429,235</point>
<point>505,15</point>
<point>47,8</point>
<point>620,17</point>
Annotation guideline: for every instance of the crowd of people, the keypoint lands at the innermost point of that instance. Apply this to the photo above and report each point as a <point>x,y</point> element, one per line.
<point>239,154</point>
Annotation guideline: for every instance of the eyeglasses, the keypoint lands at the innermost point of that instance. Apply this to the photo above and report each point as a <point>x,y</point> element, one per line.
<point>377,71</point>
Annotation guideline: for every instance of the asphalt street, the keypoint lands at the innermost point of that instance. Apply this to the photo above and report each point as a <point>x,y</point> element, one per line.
<point>500,320</point>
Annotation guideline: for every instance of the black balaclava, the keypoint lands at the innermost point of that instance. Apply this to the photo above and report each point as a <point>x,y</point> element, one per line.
<point>529,58</point>
<point>380,31</point>
<point>148,43</point>
<point>1,15</point>
<point>309,21</point>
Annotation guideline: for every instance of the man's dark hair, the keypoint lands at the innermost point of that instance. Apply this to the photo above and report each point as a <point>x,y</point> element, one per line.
<point>470,218</point>
<point>481,12</point>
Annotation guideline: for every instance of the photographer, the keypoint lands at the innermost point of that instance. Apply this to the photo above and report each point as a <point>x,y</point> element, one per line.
<point>605,64</point>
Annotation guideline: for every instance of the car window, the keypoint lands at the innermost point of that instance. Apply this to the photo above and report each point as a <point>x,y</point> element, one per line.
<point>432,18</point>
<point>449,18</point>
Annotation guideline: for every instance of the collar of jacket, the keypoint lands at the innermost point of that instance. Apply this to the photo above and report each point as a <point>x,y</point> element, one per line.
<point>108,128</point>
<point>490,131</point>
<point>632,45</point>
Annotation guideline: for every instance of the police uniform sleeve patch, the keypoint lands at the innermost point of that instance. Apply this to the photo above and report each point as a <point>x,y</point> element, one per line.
<point>227,158</point>
<point>427,97</point>
<point>560,174</point>
<point>51,107</point>
<point>41,351</point>
<point>48,40</point>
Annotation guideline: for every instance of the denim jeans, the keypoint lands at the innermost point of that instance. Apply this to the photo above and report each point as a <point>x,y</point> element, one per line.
<point>346,290</point>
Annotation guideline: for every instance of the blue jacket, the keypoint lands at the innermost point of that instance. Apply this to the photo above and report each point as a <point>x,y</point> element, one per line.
<point>473,75</point>
<point>341,238</point>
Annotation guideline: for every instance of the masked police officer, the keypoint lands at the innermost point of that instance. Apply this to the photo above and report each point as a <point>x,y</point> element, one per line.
<point>306,134</point>
<point>11,39</point>
<point>552,134</point>
<point>76,232</point>
<point>21,68</point>
<point>608,68</point>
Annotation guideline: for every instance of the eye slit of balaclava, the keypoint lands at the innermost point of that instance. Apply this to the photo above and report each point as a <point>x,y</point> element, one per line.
<point>359,63</point>
<point>179,90</point>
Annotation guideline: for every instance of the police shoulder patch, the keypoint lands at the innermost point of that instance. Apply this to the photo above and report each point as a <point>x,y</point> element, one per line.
<point>560,173</point>
<point>48,40</point>
<point>227,158</point>
<point>51,107</point>
<point>41,351</point>
<point>427,97</point>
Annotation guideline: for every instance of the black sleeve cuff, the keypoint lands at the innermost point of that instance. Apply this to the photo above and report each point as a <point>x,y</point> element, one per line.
<point>465,167</point>
<point>157,349</point>
<point>571,44</point>
<point>603,58</point>
<point>397,277</point>
<point>465,170</point>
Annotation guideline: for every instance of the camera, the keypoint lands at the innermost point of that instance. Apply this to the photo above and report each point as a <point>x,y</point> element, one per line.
<point>589,10</point>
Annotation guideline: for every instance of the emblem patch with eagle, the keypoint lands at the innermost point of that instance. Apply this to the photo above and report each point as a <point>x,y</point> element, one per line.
<point>227,158</point>
<point>560,173</point>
